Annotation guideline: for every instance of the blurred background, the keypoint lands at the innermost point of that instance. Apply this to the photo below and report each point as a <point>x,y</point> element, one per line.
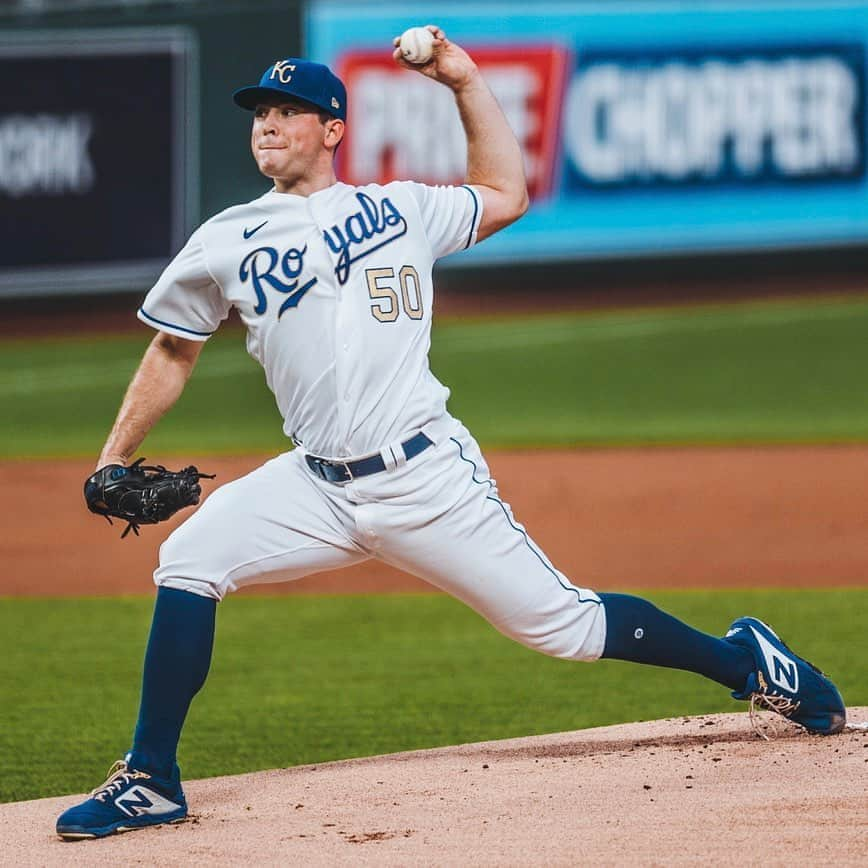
<point>676,154</point>
<point>672,149</point>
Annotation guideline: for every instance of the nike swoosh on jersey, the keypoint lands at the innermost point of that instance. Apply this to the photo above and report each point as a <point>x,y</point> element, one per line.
<point>249,233</point>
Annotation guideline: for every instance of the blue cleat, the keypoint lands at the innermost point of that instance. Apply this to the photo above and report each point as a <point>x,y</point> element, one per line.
<point>785,683</point>
<point>129,799</point>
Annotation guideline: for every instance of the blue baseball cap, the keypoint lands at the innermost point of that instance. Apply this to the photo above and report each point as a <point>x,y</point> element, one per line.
<point>302,79</point>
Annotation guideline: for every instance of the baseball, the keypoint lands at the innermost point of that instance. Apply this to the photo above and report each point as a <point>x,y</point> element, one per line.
<point>417,45</point>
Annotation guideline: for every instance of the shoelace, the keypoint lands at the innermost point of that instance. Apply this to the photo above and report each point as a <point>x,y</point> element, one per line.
<point>119,775</point>
<point>766,700</point>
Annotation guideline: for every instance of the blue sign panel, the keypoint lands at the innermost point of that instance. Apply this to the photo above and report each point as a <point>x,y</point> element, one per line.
<point>719,117</point>
<point>647,128</point>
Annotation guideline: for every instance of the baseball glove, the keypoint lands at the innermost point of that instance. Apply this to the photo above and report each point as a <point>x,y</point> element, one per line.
<point>141,494</point>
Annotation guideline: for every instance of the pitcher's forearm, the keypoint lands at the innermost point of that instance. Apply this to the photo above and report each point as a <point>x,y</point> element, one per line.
<point>155,387</point>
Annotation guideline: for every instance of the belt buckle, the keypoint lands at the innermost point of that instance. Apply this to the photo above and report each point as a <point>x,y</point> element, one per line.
<point>322,466</point>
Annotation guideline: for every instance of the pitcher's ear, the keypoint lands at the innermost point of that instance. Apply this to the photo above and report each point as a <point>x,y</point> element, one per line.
<point>334,132</point>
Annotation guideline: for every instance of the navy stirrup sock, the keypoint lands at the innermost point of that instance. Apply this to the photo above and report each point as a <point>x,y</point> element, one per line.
<point>176,665</point>
<point>637,630</point>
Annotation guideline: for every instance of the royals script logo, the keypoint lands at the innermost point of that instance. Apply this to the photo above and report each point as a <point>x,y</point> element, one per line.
<point>371,228</point>
<point>378,222</point>
<point>266,267</point>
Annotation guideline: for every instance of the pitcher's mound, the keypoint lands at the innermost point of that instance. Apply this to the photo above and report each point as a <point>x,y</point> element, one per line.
<point>680,791</point>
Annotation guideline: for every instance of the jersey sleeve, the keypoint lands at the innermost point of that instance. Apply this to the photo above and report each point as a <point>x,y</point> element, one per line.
<point>186,301</point>
<point>451,216</point>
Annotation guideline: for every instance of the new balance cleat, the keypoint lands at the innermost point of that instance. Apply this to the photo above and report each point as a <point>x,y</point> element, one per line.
<point>785,683</point>
<point>129,799</point>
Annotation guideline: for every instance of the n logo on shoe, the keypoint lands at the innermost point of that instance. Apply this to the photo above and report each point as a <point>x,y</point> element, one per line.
<point>789,673</point>
<point>782,670</point>
<point>141,800</point>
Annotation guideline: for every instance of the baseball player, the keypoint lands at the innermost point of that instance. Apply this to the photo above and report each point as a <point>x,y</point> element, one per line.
<point>333,283</point>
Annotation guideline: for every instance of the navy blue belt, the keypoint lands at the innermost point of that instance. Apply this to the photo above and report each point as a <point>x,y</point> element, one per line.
<point>346,471</point>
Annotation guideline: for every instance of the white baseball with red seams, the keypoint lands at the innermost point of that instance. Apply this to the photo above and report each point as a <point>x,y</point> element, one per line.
<point>336,292</point>
<point>417,45</point>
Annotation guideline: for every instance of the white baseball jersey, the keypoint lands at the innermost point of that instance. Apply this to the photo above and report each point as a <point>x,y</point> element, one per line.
<point>336,292</point>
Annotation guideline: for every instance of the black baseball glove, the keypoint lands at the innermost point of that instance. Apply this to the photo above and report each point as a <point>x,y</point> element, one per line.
<point>140,494</point>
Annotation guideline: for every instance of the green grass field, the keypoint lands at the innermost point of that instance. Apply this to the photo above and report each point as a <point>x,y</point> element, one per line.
<point>761,372</point>
<point>301,680</point>
<point>309,679</point>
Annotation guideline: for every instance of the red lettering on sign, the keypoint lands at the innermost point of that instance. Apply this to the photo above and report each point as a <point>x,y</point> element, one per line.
<point>401,125</point>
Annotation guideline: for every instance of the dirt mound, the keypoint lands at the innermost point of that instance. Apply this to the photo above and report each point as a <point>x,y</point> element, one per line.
<point>676,792</point>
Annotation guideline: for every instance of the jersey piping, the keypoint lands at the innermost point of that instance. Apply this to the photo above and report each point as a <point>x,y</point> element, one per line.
<point>171,325</point>
<point>473,228</point>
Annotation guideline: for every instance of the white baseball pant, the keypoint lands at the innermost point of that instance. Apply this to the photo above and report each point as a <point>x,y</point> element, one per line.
<point>437,516</point>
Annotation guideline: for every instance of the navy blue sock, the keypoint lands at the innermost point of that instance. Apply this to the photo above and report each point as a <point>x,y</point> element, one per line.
<point>176,665</point>
<point>637,630</point>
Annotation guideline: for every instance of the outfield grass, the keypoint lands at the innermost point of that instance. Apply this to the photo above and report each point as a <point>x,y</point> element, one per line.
<point>310,679</point>
<point>760,372</point>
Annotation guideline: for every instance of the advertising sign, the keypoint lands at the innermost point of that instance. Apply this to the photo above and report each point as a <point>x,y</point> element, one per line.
<point>96,167</point>
<point>647,127</point>
<point>395,119</point>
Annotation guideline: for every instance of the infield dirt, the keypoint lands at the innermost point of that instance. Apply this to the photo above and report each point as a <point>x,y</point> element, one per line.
<point>609,519</point>
<point>685,791</point>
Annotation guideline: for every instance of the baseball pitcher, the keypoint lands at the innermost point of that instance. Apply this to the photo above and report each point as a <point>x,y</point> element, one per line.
<point>334,286</point>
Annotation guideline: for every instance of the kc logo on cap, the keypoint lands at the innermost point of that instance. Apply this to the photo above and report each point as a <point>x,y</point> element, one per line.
<point>301,79</point>
<point>283,69</point>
